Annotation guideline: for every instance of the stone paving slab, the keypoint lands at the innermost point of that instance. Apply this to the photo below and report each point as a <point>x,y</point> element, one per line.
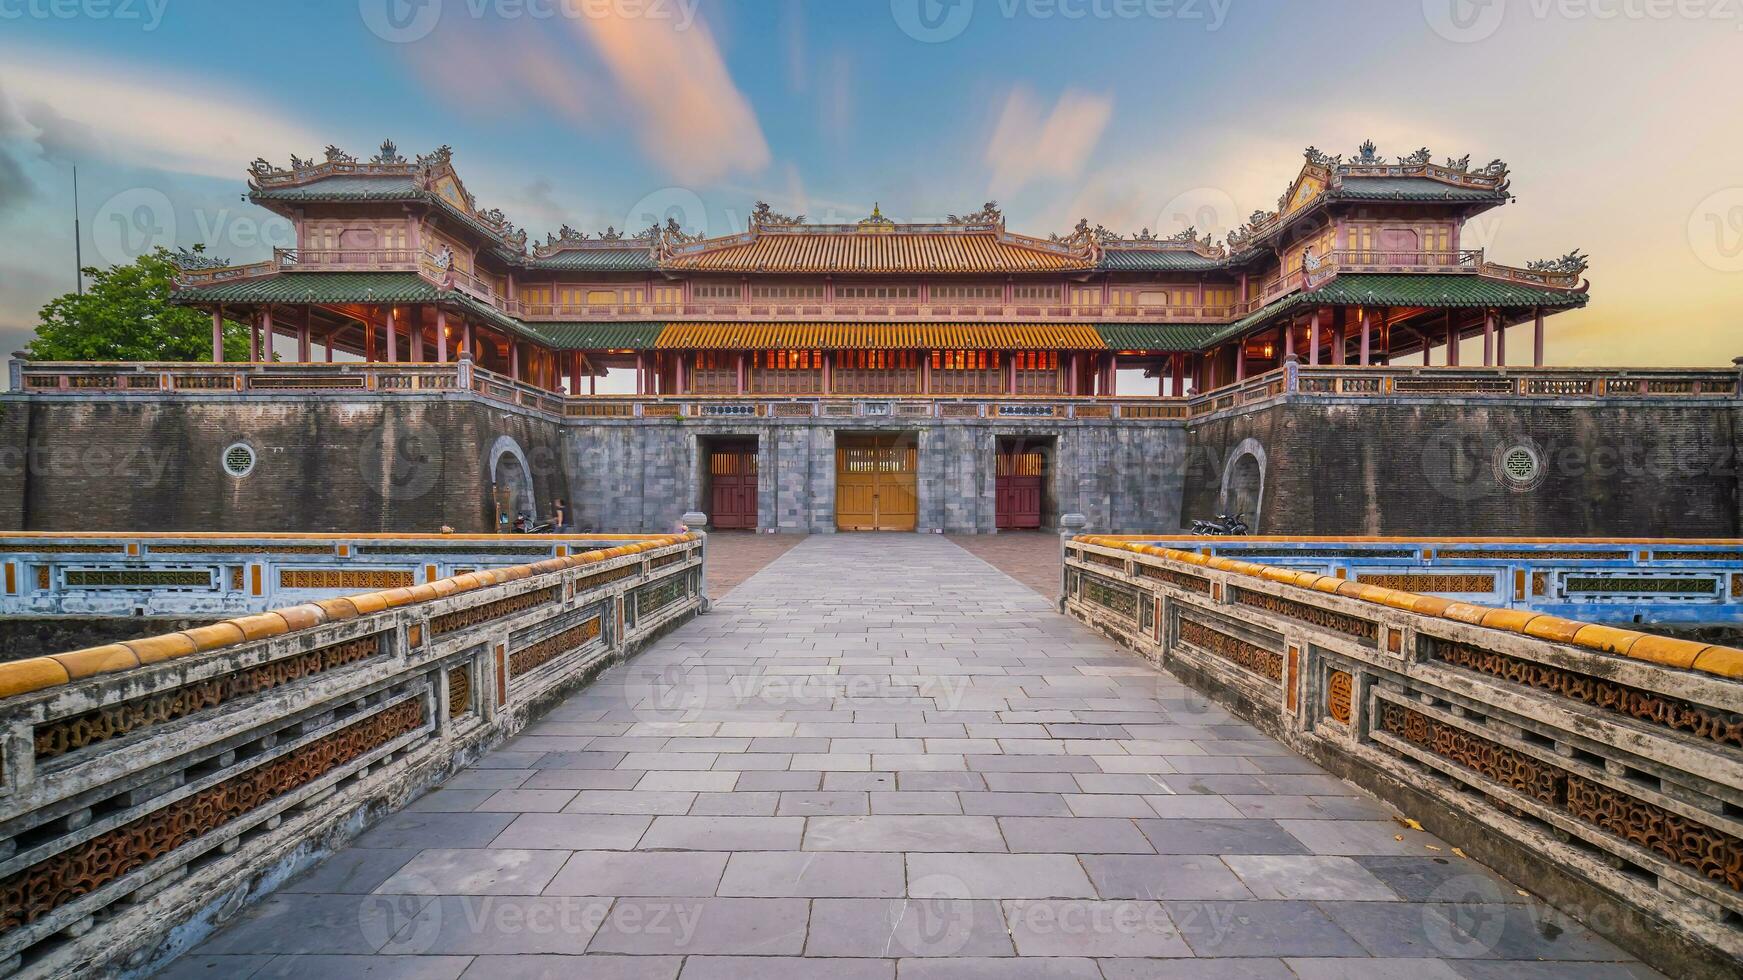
<point>882,758</point>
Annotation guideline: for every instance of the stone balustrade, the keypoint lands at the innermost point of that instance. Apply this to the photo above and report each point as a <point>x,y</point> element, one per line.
<point>1666,581</point>
<point>214,575</point>
<point>150,788</point>
<point>1599,766</point>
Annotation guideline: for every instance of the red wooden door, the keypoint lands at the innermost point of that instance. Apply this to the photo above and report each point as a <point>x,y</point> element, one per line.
<point>732,472</point>
<point>1017,489</point>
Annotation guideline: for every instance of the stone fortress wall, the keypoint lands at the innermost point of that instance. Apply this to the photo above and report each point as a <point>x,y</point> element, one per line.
<point>1295,464</point>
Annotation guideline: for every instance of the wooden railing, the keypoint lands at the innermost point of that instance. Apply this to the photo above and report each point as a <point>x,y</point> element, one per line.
<point>1324,269</point>
<point>148,785</point>
<point>89,378</point>
<point>1591,761</point>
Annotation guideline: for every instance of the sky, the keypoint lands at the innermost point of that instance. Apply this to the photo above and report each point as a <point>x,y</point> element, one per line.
<point>1619,119</point>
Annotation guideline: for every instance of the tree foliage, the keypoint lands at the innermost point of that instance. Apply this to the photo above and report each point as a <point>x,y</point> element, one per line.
<point>125,314</point>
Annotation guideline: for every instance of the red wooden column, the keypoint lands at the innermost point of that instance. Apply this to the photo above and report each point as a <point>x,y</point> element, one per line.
<point>1240,360</point>
<point>1339,335</point>
<point>1500,340</point>
<point>1367,334</point>
<point>368,336</point>
<point>1452,341</point>
<point>218,335</point>
<point>392,334</point>
<point>304,350</point>
<point>1488,338</point>
<point>575,372</point>
<point>1179,375</point>
<point>513,359</point>
<point>416,327</point>
<point>641,373</point>
<point>741,372</point>
<point>469,340</point>
<point>441,336</point>
<point>1537,338</point>
<point>1313,339</point>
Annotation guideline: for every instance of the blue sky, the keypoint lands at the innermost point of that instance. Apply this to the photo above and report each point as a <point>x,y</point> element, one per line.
<point>1619,123</point>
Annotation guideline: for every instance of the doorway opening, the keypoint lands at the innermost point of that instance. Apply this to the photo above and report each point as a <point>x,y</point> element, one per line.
<point>877,481</point>
<point>1022,497</point>
<point>730,482</point>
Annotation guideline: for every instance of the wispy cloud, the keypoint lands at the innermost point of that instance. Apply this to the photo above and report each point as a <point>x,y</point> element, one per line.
<point>689,115</point>
<point>1033,143</point>
<point>152,118</point>
<point>489,73</point>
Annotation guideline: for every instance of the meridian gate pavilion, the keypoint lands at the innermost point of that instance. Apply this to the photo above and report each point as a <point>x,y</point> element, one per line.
<point>876,375</point>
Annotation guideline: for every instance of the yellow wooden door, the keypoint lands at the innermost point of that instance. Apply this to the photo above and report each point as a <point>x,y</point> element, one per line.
<point>876,483</point>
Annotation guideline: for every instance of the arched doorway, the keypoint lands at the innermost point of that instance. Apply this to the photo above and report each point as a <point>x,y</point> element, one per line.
<point>511,484</point>
<point>1243,489</point>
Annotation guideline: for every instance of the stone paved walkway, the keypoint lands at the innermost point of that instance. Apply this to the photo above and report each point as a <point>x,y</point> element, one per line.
<point>883,752</point>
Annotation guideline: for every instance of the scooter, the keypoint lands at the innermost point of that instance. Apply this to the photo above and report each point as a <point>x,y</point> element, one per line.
<point>1222,526</point>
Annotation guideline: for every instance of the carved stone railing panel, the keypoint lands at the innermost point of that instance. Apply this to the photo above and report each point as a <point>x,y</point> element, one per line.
<point>1608,760</point>
<point>222,759</point>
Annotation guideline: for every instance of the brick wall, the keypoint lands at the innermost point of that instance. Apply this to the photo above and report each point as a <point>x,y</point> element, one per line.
<point>1658,468</point>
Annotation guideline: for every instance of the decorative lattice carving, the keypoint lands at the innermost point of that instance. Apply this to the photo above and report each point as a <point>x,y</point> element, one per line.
<point>606,577</point>
<point>1180,580</point>
<point>1496,762</point>
<point>459,691</point>
<point>137,578</point>
<point>1641,585</point>
<point>1325,619</point>
<point>463,618</point>
<point>34,892</point>
<point>65,735</point>
<point>345,578</point>
<point>1723,727</point>
<point>1110,595</point>
<point>661,561</point>
<point>1431,583</point>
<point>1249,656</point>
<point>1110,561</point>
<point>1340,690</point>
<point>551,647</point>
<point>1714,855</point>
<point>659,595</point>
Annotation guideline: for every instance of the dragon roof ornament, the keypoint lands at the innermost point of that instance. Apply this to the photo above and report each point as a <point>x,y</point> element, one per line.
<point>989,214</point>
<point>764,216</point>
<point>1573,263</point>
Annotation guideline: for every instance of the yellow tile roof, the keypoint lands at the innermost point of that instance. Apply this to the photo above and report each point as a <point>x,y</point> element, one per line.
<point>876,336</point>
<point>849,252</point>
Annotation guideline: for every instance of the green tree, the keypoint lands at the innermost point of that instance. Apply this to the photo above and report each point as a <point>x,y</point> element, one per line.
<point>125,314</point>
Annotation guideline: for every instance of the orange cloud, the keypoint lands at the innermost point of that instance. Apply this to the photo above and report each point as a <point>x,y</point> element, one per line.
<point>689,116</point>
<point>1032,143</point>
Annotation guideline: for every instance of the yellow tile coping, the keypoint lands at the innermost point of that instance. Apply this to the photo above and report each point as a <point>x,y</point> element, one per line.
<point>38,673</point>
<point>1720,661</point>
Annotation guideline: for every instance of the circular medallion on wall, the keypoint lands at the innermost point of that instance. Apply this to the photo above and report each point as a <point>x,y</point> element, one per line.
<point>239,459</point>
<point>1520,467</point>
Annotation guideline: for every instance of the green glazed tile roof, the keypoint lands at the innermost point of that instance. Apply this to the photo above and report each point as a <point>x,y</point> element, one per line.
<point>635,259</point>
<point>1156,336</point>
<point>345,287</point>
<point>319,287</point>
<point>596,336</point>
<point>1434,291</point>
<point>1411,189</point>
<point>345,187</point>
<point>1116,259</point>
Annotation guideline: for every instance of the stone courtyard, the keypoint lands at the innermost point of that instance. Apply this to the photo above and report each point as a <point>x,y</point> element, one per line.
<point>881,757</point>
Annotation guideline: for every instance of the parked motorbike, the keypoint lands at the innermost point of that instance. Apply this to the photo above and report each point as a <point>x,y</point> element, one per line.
<point>1223,525</point>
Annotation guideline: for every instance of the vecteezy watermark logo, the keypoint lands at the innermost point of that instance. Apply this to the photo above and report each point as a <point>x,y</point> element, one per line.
<point>149,13</point>
<point>668,206</point>
<point>133,222</point>
<point>1465,917</point>
<point>1204,210</point>
<point>1716,230</point>
<point>667,693</point>
<point>936,21</point>
<point>932,21</point>
<point>400,465</point>
<point>1464,21</point>
<point>400,21</point>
